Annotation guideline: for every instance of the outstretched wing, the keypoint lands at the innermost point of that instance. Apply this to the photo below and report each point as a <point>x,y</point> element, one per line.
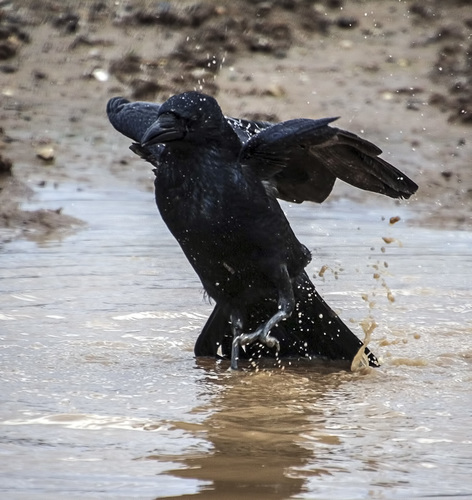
<point>131,119</point>
<point>302,158</point>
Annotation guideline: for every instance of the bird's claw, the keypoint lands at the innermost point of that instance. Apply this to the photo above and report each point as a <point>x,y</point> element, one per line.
<point>249,338</point>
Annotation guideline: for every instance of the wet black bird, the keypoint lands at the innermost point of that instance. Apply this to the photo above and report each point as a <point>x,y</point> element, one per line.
<point>217,184</point>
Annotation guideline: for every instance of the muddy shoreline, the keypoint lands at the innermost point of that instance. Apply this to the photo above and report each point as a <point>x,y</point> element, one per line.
<point>398,73</point>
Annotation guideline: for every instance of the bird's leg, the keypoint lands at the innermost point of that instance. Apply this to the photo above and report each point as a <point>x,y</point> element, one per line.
<point>237,328</point>
<point>286,305</point>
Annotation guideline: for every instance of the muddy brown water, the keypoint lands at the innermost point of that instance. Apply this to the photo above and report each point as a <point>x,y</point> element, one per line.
<point>102,397</point>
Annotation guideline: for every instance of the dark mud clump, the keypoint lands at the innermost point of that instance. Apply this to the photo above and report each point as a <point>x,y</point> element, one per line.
<point>452,69</point>
<point>6,166</point>
<point>29,223</point>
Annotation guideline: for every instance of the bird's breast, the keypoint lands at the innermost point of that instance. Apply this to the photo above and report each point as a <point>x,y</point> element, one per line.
<point>194,194</point>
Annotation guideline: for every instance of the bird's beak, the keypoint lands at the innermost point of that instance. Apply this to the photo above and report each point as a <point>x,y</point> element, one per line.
<point>165,129</point>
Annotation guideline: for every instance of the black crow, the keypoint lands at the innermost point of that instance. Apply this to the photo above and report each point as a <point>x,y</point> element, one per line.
<point>217,183</point>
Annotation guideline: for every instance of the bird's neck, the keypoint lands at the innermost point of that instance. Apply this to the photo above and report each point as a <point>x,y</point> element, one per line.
<point>196,174</point>
<point>200,159</point>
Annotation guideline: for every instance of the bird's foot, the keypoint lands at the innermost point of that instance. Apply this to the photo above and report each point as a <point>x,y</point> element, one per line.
<point>261,335</point>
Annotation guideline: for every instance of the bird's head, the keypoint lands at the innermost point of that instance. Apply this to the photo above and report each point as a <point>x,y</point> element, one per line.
<point>188,116</point>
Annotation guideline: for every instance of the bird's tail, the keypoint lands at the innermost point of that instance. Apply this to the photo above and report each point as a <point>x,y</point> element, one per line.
<point>313,330</point>
<point>321,330</point>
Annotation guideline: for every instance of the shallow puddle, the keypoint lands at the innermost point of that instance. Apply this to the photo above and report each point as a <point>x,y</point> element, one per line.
<point>102,398</point>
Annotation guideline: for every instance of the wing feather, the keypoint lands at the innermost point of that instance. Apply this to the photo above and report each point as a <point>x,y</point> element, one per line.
<point>299,159</point>
<point>131,119</point>
<point>302,159</point>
